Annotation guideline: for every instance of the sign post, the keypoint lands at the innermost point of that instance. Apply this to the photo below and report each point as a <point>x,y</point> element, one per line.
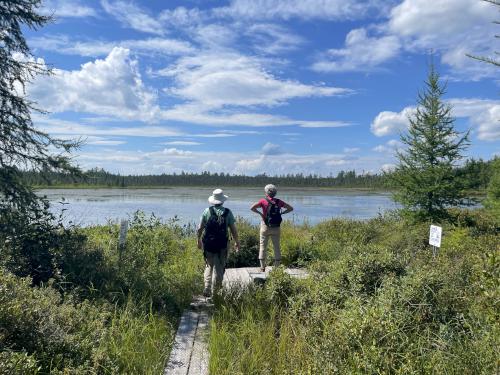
<point>122,239</point>
<point>435,238</point>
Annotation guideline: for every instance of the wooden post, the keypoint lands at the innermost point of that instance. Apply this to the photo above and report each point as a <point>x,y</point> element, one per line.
<point>122,239</point>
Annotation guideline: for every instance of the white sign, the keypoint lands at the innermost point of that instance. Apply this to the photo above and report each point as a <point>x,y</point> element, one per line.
<point>435,236</point>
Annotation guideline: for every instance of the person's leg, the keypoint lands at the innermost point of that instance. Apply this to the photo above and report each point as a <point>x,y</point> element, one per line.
<point>219,268</point>
<point>275,238</point>
<point>207,276</point>
<point>263,246</point>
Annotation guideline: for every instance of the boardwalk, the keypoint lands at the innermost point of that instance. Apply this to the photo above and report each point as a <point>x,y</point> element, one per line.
<point>189,354</point>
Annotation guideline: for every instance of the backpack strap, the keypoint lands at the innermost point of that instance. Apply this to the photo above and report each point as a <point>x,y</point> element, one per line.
<point>212,210</point>
<point>226,212</point>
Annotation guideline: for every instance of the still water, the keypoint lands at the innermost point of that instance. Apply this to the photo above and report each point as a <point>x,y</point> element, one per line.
<point>98,206</point>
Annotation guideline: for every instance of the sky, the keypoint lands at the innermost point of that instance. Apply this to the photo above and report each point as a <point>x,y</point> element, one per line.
<point>259,86</point>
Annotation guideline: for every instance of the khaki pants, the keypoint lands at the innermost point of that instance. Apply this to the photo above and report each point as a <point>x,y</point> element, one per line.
<point>214,270</point>
<point>266,233</point>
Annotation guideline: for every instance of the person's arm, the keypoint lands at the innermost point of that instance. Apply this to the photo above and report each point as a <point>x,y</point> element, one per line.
<point>287,207</point>
<point>199,233</point>
<point>234,232</point>
<point>255,207</point>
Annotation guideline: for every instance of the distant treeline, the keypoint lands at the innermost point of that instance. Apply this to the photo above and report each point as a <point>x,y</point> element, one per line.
<point>476,174</point>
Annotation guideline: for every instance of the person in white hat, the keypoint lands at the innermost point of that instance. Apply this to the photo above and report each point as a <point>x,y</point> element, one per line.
<point>270,223</point>
<point>213,240</point>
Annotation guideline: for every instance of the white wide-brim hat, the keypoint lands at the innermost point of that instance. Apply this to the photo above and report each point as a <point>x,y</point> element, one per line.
<point>217,197</point>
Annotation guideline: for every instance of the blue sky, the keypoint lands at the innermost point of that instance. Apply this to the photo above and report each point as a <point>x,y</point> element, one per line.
<point>258,86</point>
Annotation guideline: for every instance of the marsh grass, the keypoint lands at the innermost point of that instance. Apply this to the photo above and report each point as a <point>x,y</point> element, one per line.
<point>107,312</point>
<point>376,302</point>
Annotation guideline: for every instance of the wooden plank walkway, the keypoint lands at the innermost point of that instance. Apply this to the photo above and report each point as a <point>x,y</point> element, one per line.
<point>189,355</point>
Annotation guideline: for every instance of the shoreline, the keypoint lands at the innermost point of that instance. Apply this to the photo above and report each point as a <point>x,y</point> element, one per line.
<point>226,187</point>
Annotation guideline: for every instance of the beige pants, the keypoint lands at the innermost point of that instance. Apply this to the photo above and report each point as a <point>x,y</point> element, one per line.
<point>214,270</point>
<point>266,233</point>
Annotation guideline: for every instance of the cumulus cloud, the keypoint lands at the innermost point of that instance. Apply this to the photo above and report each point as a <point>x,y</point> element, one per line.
<point>424,20</point>
<point>418,26</point>
<point>482,114</point>
<point>388,122</point>
<point>133,16</point>
<point>112,86</point>
<point>361,53</point>
<point>468,29</point>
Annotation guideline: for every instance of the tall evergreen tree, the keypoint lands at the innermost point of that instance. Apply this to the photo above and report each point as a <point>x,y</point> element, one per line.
<point>425,176</point>
<point>25,222</point>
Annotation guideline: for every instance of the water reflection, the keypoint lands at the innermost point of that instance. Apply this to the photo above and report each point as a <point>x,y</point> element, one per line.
<point>98,206</point>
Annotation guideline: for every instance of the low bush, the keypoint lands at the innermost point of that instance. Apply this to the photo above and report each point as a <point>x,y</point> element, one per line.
<point>376,301</point>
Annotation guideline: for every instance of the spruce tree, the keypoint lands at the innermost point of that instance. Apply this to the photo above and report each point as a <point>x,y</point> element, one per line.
<point>25,222</point>
<point>425,173</point>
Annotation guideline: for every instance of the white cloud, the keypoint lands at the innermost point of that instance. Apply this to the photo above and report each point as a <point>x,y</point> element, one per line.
<point>231,79</point>
<point>388,167</point>
<point>64,128</point>
<point>214,135</point>
<point>177,152</point>
<point>468,29</point>
<point>389,147</point>
<point>181,16</point>
<point>388,122</point>
<point>151,46</point>
<point>452,28</point>
<point>214,36</point>
<point>334,163</point>
<point>228,162</point>
<point>349,150</point>
<point>426,20</point>
<point>303,9</point>
<point>273,39</point>
<point>483,115</point>
<point>100,141</point>
<point>182,143</point>
<point>133,16</point>
<point>323,124</point>
<point>112,86</point>
<point>67,8</point>
<point>361,53</point>
<point>271,149</point>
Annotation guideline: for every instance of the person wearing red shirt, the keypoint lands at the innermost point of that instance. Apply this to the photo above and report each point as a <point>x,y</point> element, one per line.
<point>271,211</point>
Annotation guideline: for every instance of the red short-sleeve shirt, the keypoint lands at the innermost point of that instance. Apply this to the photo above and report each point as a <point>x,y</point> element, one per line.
<point>265,204</point>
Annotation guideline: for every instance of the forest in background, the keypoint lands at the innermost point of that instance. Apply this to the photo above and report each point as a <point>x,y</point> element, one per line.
<point>475,173</point>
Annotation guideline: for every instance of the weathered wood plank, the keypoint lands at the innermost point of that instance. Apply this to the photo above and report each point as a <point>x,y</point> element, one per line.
<point>200,356</point>
<point>178,363</point>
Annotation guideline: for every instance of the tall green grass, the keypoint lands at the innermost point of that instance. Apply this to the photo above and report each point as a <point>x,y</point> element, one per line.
<point>106,312</point>
<point>376,302</point>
